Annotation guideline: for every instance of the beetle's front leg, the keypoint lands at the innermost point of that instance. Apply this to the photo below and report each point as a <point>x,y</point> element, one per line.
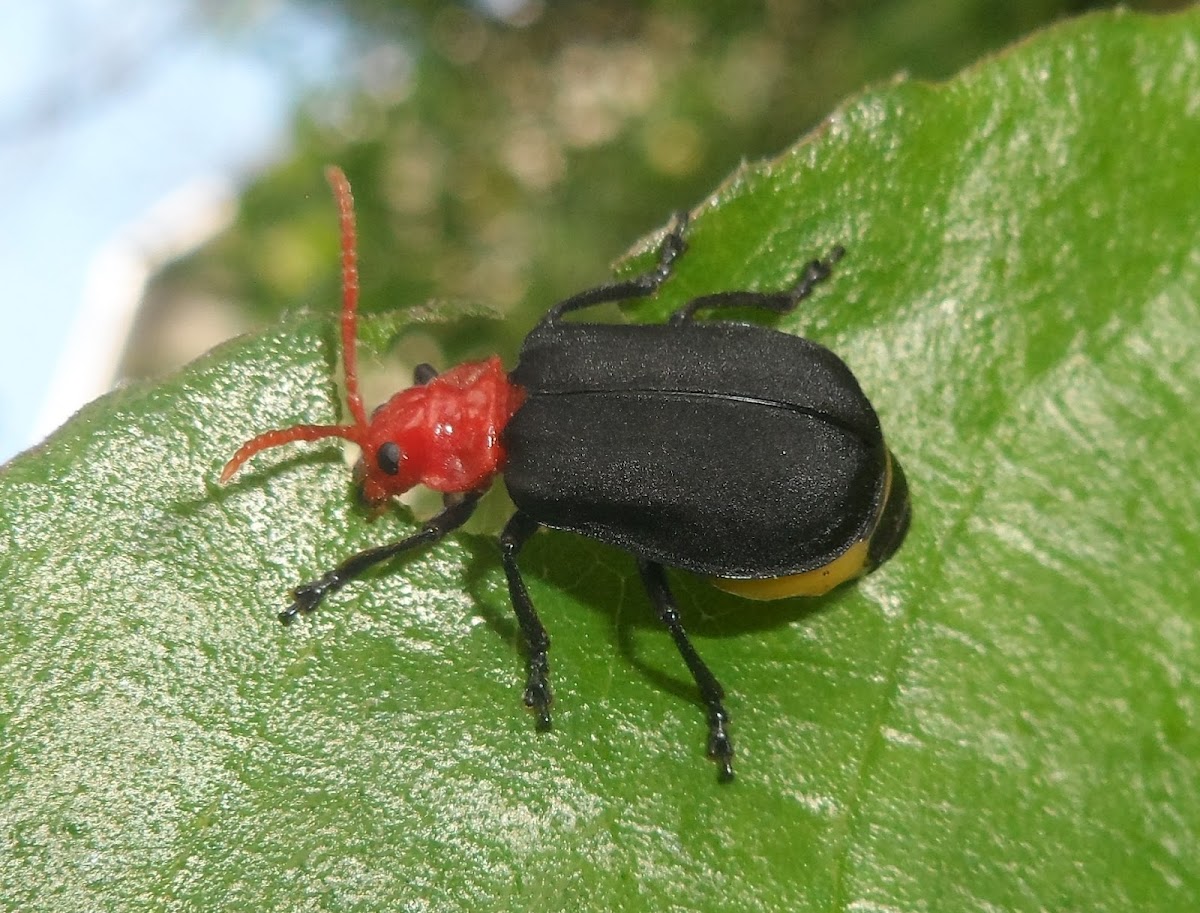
<point>308,596</point>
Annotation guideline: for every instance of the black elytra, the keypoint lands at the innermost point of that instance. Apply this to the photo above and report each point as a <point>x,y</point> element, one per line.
<point>730,450</point>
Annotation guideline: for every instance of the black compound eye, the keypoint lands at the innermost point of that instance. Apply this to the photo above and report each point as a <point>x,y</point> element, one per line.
<point>423,374</point>
<point>388,457</point>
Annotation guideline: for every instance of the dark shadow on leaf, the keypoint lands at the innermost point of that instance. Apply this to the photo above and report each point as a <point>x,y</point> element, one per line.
<point>250,476</point>
<point>483,556</point>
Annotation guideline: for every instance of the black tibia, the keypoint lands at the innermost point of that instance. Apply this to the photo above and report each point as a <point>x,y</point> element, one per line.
<point>720,747</point>
<point>815,272</point>
<point>457,511</point>
<point>647,283</point>
<point>537,686</point>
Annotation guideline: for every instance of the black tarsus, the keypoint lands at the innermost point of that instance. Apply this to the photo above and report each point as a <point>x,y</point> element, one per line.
<point>815,272</point>
<point>538,696</point>
<point>457,510</point>
<point>720,746</point>
<point>669,250</point>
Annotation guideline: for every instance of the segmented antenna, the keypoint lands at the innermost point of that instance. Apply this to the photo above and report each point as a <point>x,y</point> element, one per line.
<point>356,432</point>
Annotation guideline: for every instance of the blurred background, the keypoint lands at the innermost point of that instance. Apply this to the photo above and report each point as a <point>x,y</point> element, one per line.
<point>161,160</point>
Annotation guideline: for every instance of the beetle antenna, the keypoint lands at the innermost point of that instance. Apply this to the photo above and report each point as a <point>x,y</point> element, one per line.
<point>345,204</point>
<point>286,436</point>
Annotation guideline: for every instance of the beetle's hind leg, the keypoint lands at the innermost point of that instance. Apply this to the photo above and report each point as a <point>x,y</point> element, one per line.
<point>815,272</point>
<point>720,746</point>
<point>537,643</point>
<point>670,249</point>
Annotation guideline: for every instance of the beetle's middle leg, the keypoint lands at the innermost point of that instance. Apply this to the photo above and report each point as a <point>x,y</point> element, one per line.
<point>537,642</point>
<point>720,747</point>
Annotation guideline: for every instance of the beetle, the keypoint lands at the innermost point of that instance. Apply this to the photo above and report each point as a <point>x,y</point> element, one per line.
<point>730,450</point>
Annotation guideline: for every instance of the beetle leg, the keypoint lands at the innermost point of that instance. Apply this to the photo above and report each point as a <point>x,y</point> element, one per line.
<point>516,533</point>
<point>308,596</point>
<point>720,747</point>
<point>671,248</point>
<point>815,272</point>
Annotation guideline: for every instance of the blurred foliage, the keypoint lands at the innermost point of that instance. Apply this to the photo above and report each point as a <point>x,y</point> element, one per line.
<point>506,160</point>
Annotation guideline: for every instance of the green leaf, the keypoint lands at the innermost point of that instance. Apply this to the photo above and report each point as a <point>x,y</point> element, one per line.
<point>1005,717</point>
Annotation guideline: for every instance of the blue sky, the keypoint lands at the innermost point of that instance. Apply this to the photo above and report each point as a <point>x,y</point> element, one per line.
<point>108,107</point>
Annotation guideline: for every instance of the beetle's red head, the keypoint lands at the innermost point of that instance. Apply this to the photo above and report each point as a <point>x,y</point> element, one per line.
<point>443,433</point>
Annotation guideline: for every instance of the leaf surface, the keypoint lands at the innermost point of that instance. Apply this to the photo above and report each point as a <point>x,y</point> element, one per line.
<point>1005,717</point>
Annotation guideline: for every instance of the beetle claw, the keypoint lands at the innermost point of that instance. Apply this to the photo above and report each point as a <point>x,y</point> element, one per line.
<point>307,597</point>
<point>720,746</point>
<point>537,699</point>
